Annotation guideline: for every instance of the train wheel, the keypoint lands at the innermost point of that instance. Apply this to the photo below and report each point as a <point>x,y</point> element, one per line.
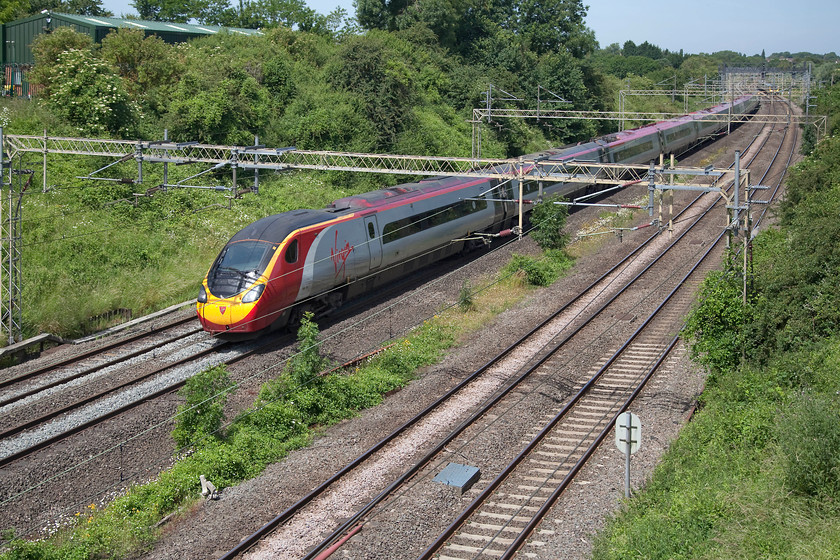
<point>296,316</point>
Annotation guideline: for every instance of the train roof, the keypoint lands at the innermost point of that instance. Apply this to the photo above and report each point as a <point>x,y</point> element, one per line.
<point>370,199</point>
<point>276,228</point>
<point>390,195</point>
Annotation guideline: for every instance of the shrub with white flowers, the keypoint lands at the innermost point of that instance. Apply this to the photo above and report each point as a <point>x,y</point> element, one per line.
<point>90,95</point>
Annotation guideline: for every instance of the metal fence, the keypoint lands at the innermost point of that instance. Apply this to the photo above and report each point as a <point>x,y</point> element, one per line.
<point>15,81</point>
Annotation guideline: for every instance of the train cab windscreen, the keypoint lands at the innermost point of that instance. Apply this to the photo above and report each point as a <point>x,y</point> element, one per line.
<point>238,266</point>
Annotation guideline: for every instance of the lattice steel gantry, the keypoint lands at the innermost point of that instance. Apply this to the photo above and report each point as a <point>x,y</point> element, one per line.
<point>11,321</point>
<point>519,170</point>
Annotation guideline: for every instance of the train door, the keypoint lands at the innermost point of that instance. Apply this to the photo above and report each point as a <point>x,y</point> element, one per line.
<point>374,241</point>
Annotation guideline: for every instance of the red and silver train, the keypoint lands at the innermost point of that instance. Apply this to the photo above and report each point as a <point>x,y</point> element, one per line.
<point>272,271</point>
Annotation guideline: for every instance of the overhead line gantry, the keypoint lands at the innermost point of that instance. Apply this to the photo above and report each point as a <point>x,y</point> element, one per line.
<point>258,157</point>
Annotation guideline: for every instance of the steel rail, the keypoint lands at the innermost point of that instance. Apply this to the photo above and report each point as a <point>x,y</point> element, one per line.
<point>249,541</point>
<point>489,404</point>
<point>356,518</point>
<point>93,369</point>
<point>551,500</point>
<point>252,539</point>
<point>92,352</point>
<point>520,539</point>
<point>493,485</point>
<point>119,410</point>
<point>537,518</point>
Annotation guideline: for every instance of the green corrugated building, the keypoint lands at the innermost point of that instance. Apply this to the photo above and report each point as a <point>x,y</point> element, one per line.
<point>17,36</point>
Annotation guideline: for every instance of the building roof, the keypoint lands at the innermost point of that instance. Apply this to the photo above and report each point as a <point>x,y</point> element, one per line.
<point>152,26</point>
<point>17,36</point>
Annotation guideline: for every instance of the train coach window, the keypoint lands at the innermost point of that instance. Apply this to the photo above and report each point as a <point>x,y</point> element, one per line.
<point>419,222</point>
<point>292,252</point>
<point>371,231</point>
<point>529,187</point>
<point>678,134</point>
<point>633,151</point>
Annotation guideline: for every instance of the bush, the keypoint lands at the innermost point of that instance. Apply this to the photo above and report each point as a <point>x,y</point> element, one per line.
<point>201,415</point>
<point>46,49</point>
<point>466,299</point>
<point>548,220</point>
<point>715,326</point>
<point>542,271</point>
<point>305,366</point>
<point>90,96</point>
<point>810,442</point>
<point>384,83</point>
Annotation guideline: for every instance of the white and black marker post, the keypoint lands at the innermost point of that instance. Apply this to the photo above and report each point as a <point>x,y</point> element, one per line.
<point>628,436</point>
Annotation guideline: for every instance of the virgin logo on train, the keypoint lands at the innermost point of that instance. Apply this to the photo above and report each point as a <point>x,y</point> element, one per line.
<point>339,256</point>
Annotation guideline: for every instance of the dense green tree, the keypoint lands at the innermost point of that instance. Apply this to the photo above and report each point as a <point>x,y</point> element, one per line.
<point>90,96</point>
<point>21,8</point>
<point>149,67</point>
<point>827,74</point>
<point>278,77</point>
<point>441,17</point>
<point>478,29</point>
<point>623,66</point>
<point>553,25</point>
<point>215,12</point>
<point>178,11</point>
<point>264,14</point>
<point>46,49</point>
<point>327,120</point>
<point>548,220</point>
<point>645,49</point>
<point>201,415</point>
<point>270,13</point>
<point>612,48</point>
<point>700,66</point>
<point>84,8</point>
<point>129,50</point>
<point>561,74</point>
<point>12,10</point>
<point>379,14</point>
<point>796,268</point>
<point>228,110</point>
<point>367,67</point>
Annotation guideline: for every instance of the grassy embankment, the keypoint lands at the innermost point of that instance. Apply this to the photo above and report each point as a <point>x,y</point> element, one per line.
<point>756,474</point>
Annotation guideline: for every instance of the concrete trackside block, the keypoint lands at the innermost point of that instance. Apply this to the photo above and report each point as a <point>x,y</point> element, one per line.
<point>461,477</point>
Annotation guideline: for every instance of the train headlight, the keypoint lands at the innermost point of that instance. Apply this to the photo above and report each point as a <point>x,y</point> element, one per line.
<point>253,294</point>
<point>202,295</point>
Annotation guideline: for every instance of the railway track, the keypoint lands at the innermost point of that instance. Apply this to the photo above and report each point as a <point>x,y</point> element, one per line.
<point>59,446</point>
<point>133,345</point>
<point>123,370</point>
<point>588,412</point>
<point>49,410</point>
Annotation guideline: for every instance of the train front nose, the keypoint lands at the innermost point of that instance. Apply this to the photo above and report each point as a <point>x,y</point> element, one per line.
<point>215,316</point>
<point>214,313</point>
<point>237,314</point>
